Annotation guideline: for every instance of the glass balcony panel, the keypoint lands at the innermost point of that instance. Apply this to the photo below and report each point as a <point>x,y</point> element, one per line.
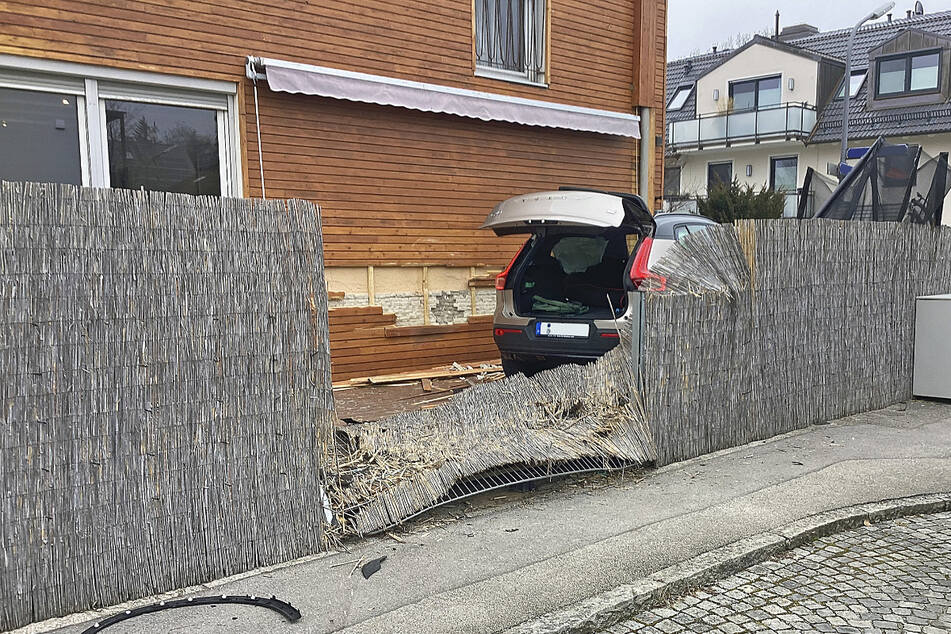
<point>684,131</point>
<point>791,120</point>
<point>772,121</point>
<point>808,120</point>
<point>713,128</point>
<point>742,124</point>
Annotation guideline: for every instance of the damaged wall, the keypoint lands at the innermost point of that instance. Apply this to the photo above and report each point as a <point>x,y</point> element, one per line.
<point>823,327</point>
<point>417,295</point>
<point>165,391</point>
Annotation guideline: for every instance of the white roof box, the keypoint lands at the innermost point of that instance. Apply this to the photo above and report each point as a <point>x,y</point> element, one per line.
<point>579,208</point>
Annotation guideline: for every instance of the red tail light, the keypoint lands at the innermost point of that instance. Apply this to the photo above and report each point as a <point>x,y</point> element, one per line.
<point>500,278</point>
<point>639,271</point>
<point>499,332</point>
<point>610,335</point>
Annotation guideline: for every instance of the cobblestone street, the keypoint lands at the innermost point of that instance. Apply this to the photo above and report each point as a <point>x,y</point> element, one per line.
<point>888,577</point>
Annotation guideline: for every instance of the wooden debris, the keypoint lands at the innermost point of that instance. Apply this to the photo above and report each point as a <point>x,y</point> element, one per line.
<point>454,371</point>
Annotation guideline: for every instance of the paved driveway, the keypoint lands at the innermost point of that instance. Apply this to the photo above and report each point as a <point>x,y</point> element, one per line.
<point>888,577</point>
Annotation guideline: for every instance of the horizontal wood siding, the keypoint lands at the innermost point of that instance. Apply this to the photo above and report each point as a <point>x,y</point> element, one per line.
<point>363,342</point>
<point>592,44</point>
<point>395,186</point>
<point>398,186</point>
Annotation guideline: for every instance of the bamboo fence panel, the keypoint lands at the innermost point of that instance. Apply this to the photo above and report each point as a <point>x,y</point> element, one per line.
<point>165,394</point>
<point>819,324</point>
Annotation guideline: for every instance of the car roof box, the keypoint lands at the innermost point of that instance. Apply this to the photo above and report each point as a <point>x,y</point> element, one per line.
<point>569,207</point>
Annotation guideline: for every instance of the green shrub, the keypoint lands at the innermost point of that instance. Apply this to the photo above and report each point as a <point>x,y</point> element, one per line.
<point>728,202</point>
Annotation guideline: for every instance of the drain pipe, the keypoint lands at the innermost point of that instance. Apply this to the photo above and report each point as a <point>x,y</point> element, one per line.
<point>643,170</point>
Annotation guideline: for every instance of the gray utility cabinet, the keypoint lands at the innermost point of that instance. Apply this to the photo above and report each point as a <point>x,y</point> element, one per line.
<point>933,346</point>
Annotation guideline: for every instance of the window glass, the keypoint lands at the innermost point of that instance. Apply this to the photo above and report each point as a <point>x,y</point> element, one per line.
<point>671,181</point>
<point>744,95</point>
<point>509,35</point>
<point>577,254</point>
<point>891,76</point>
<point>855,83</point>
<point>39,137</point>
<point>163,148</point>
<point>679,99</point>
<point>783,177</point>
<point>696,228</point>
<point>770,92</point>
<point>924,72</point>
<point>719,174</point>
<point>681,232</point>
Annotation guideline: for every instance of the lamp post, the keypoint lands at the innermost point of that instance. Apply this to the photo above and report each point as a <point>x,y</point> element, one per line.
<point>847,85</point>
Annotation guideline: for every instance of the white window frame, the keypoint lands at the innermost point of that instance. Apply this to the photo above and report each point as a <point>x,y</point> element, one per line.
<point>858,86</point>
<point>531,26</point>
<point>681,90</point>
<point>92,85</point>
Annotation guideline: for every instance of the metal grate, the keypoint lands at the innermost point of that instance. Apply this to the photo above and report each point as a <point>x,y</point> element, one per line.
<point>510,37</point>
<point>509,475</point>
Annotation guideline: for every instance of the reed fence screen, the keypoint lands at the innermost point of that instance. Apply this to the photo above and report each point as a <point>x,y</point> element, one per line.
<point>772,326</point>
<point>165,395</point>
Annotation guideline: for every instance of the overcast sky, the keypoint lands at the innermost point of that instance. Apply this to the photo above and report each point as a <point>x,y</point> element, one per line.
<point>694,26</point>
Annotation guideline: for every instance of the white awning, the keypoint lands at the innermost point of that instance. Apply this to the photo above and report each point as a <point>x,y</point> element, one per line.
<point>387,91</point>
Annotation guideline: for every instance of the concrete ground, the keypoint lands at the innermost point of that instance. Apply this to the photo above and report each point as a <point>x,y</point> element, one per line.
<point>506,562</point>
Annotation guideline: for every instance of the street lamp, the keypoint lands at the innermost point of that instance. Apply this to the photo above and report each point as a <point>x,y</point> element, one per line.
<point>847,85</point>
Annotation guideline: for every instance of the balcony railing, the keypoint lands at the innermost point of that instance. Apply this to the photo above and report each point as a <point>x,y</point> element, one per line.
<point>786,121</point>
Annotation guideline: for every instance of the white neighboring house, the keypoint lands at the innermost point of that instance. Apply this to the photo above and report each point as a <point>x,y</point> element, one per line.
<point>767,111</point>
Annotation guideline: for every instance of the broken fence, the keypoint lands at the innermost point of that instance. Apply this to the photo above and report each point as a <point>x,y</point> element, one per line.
<point>167,397</point>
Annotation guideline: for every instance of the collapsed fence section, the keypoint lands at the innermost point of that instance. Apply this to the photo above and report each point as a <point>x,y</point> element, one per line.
<point>570,419</point>
<point>820,326</point>
<point>165,392</point>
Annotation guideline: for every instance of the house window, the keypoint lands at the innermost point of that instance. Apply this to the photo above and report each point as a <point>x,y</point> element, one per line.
<point>756,94</point>
<point>719,174</point>
<point>510,39</point>
<point>163,148</point>
<point>679,98</point>
<point>40,136</point>
<point>671,182</point>
<point>855,83</point>
<point>87,125</point>
<point>908,74</point>
<point>783,176</point>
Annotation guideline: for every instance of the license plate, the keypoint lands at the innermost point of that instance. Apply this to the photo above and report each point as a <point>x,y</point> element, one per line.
<point>555,329</point>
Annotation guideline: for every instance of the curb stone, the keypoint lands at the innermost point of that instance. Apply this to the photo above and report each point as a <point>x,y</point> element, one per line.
<point>609,608</point>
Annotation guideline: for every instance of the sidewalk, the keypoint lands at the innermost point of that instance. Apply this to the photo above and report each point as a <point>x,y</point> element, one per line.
<point>501,565</point>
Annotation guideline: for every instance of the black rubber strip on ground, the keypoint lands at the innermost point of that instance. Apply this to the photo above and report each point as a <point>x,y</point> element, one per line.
<point>283,608</point>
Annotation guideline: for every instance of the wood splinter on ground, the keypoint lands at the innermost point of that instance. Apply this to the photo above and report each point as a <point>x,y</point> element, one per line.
<point>492,370</point>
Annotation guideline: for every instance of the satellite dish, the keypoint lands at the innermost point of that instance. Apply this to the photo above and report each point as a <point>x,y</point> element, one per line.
<point>919,8</point>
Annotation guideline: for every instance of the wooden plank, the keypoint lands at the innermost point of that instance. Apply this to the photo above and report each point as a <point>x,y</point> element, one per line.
<point>354,310</point>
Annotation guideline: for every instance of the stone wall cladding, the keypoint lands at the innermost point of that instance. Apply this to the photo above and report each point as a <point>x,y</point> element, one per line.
<point>445,307</point>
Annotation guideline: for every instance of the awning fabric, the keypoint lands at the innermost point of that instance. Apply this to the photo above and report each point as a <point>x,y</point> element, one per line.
<point>387,91</point>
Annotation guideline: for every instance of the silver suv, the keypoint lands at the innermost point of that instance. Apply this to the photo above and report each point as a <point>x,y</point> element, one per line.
<point>565,293</point>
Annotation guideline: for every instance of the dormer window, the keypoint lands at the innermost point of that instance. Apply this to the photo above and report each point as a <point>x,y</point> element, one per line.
<point>855,83</point>
<point>679,98</point>
<point>911,73</point>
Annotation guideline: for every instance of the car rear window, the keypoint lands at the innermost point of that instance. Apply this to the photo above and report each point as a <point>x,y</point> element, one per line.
<point>577,254</point>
